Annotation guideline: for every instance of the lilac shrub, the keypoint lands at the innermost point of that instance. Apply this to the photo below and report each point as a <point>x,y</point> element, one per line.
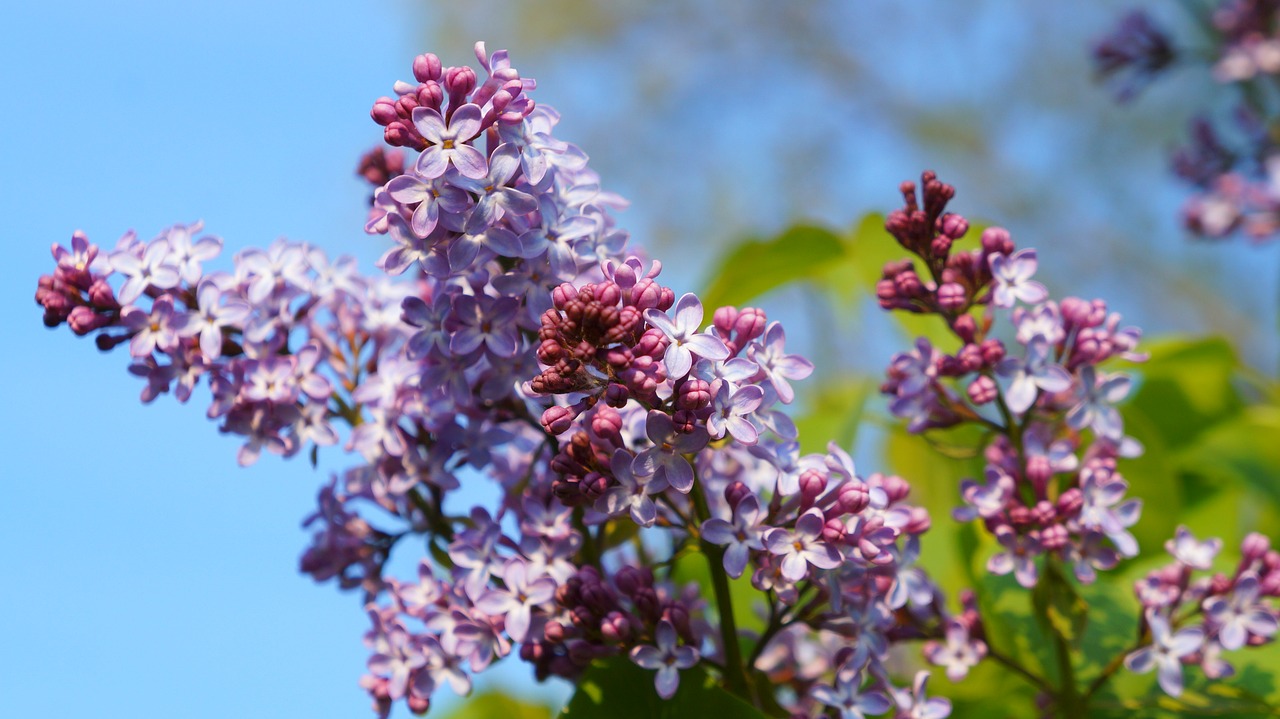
<point>1032,372</point>
<point>513,341</point>
<point>1231,159</point>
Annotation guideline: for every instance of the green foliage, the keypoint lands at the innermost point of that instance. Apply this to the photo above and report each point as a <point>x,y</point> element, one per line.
<point>618,689</point>
<point>497,705</point>
<point>835,413</point>
<point>755,267</point>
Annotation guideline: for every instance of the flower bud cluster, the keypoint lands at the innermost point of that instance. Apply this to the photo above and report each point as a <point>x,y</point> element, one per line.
<point>1027,367</point>
<point>1211,613</point>
<point>1236,183</point>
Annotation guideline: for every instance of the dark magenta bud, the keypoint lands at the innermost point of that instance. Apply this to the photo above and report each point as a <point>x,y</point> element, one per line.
<point>920,521</point>
<point>982,390</point>
<point>1070,502</point>
<point>563,294</point>
<point>426,67</point>
<point>647,294</point>
<point>693,394</point>
<point>1054,537</point>
<point>992,351</point>
<point>735,492</point>
<point>965,327</point>
<point>951,296</point>
<point>459,82</point>
<point>558,419</point>
<point>630,579</point>
<point>616,395</point>
<point>954,226</point>
<point>1254,547</point>
<point>996,241</point>
<point>852,497</point>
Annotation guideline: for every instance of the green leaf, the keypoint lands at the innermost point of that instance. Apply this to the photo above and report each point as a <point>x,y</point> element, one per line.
<point>1058,606</point>
<point>1245,450</point>
<point>754,267</point>
<point>1187,386</point>
<point>618,689</point>
<point>497,705</point>
<point>835,412</point>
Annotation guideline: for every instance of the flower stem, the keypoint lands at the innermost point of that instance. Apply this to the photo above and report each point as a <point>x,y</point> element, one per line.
<point>735,673</point>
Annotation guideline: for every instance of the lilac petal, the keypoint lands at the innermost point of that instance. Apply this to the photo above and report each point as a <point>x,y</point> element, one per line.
<point>432,162</point>
<point>465,123</point>
<point>688,313</point>
<point>1186,641</point>
<point>794,567</point>
<point>1054,379</point>
<point>1021,394</point>
<point>1141,661</point>
<point>678,473</point>
<point>735,559</point>
<point>1261,623</point>
<point>424,219</point>
<point>429,124</point>
<point>469,161</point>
<point>823,556</point>
<point>407,189</point>
<point>504,242</point>
<point>647,657</point>
<point>778,541</point>
<point>661,321</point>
<point>667,681</point>
<point>793,367</point>
<point>718,531</point>
<point>873,703</point>
<point>1031,292</point>
<point>743,431</point>
<point>646,463</point>
<point>678,360</point>
<point>1169,674</point>
<point>644,512</point>
<point>503,163</point>
<point>1232,636</point>
<point>518,621</point>
<point>1001,563</point>
<point>704,345</point>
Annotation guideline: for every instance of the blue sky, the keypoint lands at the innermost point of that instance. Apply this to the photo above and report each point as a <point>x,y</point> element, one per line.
<point>145,573</point>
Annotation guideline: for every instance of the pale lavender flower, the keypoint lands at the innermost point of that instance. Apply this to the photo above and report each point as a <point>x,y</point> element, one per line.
<point>985,500</point>
<point>153,269</point>
<point>803,546</point>
<point>283,265</point>
<point>1165,653</point>
<point>485,321</point>
<point>1240,614</point>
<point>958,654</point>
<point>433,196</point>
<point>214,311</point>
<point>665,460</point>
<point>632,493</point>
<point>769,353</point>
<point>448,142</point>
<point>666,657</point>
<point>398,658</point>
<point>160,328</point>
<point>739,537</point>
<point>1029,376</point>
<point>915,704</point>
<point>848,697</point>
<point>496,195</point>
<point>1044,319</point>
<point>729,410</point>
<point>1096,408</point>
<point>466,248</point>
<point>1012,274</point>
<point>1100,492</point>
<point>1195,554</point>
<point>186,255</point>
<point>524,591</point>
<point>1019,556</point>
<point>685,339</point>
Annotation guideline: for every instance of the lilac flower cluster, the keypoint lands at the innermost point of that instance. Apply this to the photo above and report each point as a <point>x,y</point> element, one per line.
<point>273,339</point>
<point>1234,172</point>
<point>621,436</point>
<point>1190,621</point>
<point>1051,485</point>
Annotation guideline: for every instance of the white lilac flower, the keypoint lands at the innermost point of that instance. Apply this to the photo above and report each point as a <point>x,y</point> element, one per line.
<point>1012,275</point>
<point>1240,614</point>
<point>667,657</point>
<point>685,340</point>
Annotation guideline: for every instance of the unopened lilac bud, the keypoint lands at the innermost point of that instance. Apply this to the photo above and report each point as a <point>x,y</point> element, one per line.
<point>907,284</point>
<point>608,294</point>
<point>426,67</point>
<point>1039,471</point>
<point>953,225</point>
<point>102,296</point>
<point>1220,584</point>
<point>1254,546</point>
<point>558,419</point>
<point>1043,513</point>
<point>833,531</point>
<point>852,497</point>
<point>812,484</point>
<point>965,327</point>
<point>607,424</point>
<point>652,344</point>
<point>982,390</point>
<point>84,320</point>
<point>751,324</point>
<point>580,652</point>
<point>630,579</point>
<point>895,487</point>
<point>951,296</point>
<point>106,342</point>
<point>616,628</point>
<point>723,320</point>
<point>1070,502</point>
<point>678,615</point>
<point>996,241</point>
<point>384,111</point>
<point>685,421</point>
<point>459,81</point>
<point>1054,537</point>
<point>563,294</point>
<point>886,292</point>
<point>594,485</point>
<point>970,357</point>
<point>693,394</point>
<point>1081,313</point>
<point>418,704</point>
<point>616,395</point>
<point>992,351</point>
<point>919,522</point>
<point>1020,516</point>
<point>941,246</point>
<point>554,632</point>
<point>734,492</point>
<point>667,297</point>
<point>647,294</point>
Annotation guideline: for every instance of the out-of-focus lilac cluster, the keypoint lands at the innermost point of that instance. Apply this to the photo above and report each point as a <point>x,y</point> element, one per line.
<point>1232,157</point>
<point>1051,486</point>
<point>525,348</point>
<point>1052,491</point>
<point>1193,621</point>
